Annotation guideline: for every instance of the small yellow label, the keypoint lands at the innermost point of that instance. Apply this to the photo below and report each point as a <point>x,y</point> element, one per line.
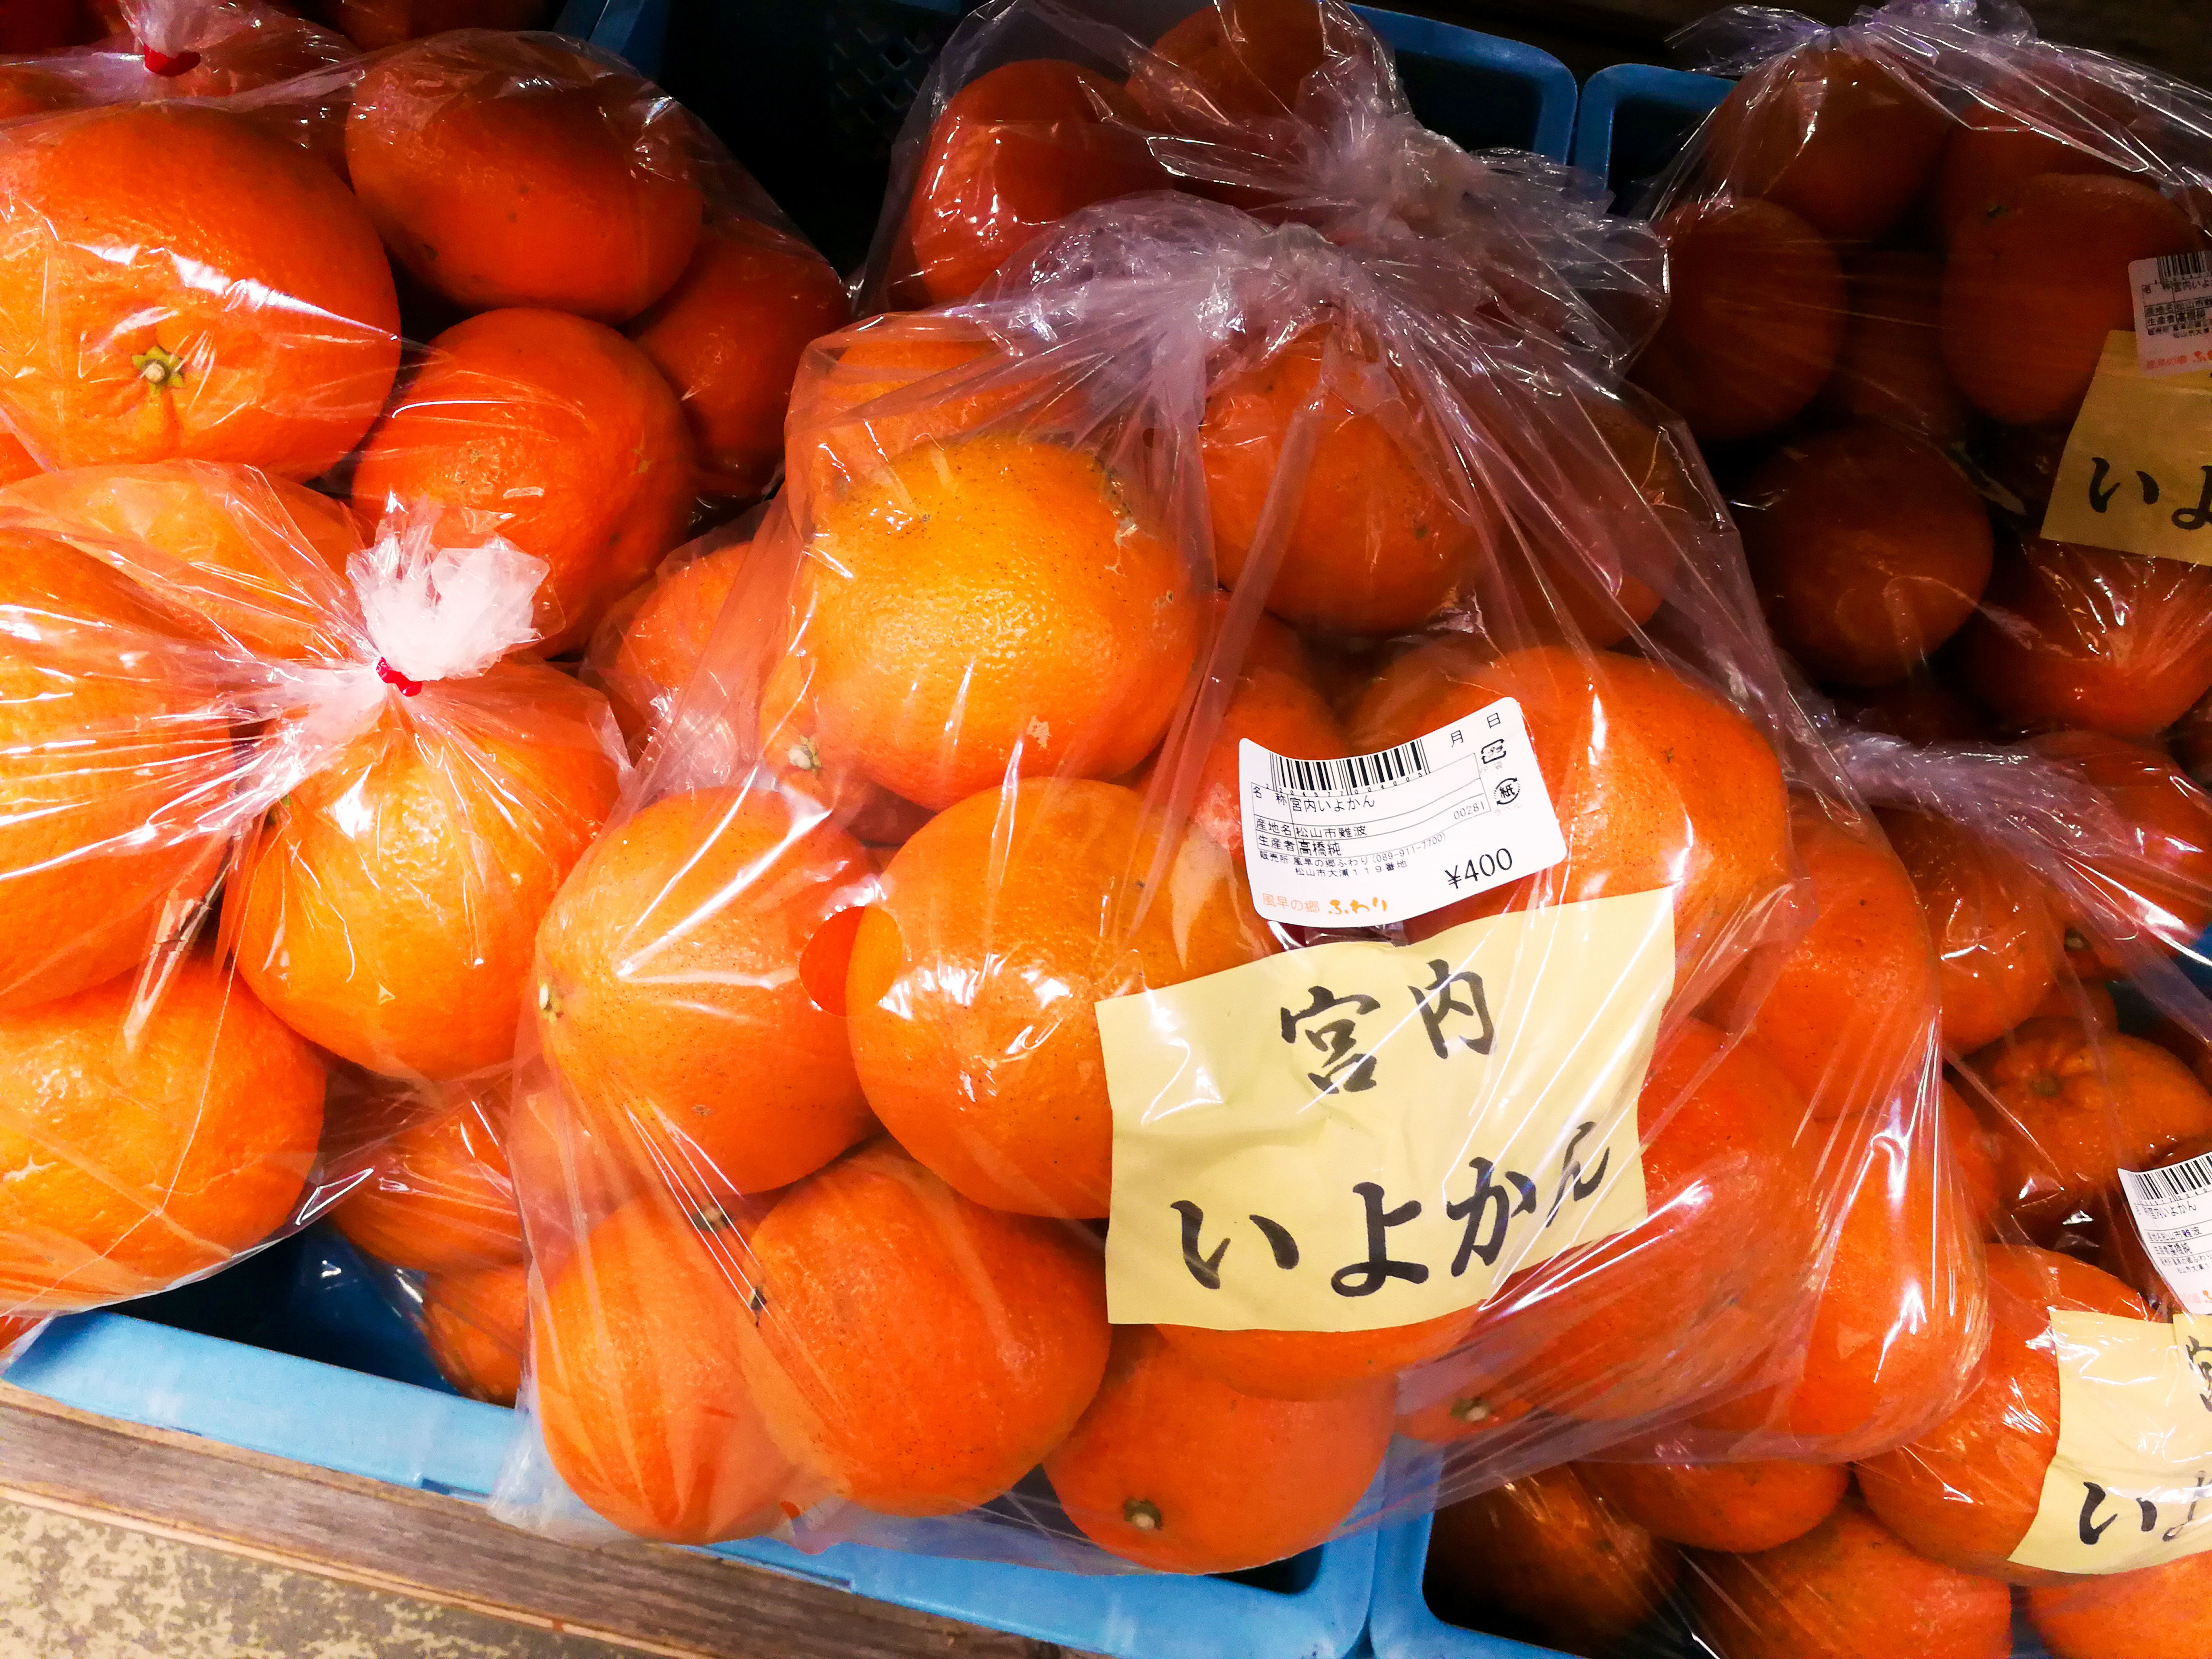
<point>2130,1485</point>
<point>1362,1134</point>
<point>2136,476</point>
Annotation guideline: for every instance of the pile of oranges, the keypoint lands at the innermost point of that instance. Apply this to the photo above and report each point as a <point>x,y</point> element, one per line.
<point>675,933</point>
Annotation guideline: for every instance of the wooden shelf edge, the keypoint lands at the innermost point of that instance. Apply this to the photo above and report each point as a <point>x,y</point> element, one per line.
<point>400,1540</point>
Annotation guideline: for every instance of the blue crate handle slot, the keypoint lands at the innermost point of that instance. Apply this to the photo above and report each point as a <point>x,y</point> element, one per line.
<point>1552,83</point>
<point>1400,1624</point>
<point>1599,145</point>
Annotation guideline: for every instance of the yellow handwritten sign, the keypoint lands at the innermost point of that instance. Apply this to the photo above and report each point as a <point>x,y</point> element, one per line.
<point>2130,1485</point>
<point>1361,1134</point>
<point>2136,476</point>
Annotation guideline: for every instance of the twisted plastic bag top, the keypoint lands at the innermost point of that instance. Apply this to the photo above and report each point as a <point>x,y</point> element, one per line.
<point>262,709</point>
<point>174,49</point>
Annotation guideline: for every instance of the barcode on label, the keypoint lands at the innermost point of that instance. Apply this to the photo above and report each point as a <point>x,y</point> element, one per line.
<point>1351,774</point>
<point>2174,269</point>
<point>2176,1181</point>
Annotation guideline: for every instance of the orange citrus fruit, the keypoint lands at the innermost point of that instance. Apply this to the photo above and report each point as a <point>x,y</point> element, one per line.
<point>974,978</point>
<point>173,283</point>
<point>1179,1472</point>
<point>680,994</point>
<point>173,1123</point>
<point>108,742</point>
<point>386,909</point>
<point>921,1351</point>
<point>639,1357</point>
<point>562,435</point>
<point>511,170</point>
<point>994,606</point>
<point>260,558</point>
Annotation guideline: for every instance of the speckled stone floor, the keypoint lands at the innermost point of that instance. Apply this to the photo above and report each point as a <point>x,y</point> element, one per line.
<point>78,1589</point>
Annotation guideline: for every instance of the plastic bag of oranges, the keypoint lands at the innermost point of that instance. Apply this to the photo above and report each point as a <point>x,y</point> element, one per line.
<point>2049,871</point>
<point>1928,271</point>
<point>283,814</point>
<point>942,925</point>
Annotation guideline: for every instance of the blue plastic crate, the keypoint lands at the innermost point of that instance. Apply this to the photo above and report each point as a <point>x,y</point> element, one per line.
<point>809,94</point>
<point>1632,119</point>
<point>634,30</point>
<point>1313,1607</point>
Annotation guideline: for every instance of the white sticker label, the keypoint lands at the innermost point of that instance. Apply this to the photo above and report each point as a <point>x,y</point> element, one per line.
<point>2173,1213</point>
<point>2173,312</point>
<point>1370,839</point>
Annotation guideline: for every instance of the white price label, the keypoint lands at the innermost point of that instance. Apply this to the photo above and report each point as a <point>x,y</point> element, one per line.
<point>2173,312</point>
<point>2172,1209</point>
<point>1369,839</point>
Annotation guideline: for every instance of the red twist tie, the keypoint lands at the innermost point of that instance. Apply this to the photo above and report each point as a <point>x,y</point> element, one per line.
<point>391,676</point>
<point>160,64</point>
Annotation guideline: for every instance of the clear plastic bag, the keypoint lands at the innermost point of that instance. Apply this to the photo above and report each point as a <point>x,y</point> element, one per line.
<point>2060,879</point>
<point>306,575</point>
<point>1909,258</point>
<point>315,739</point>
<point>2049,869</point>
<point>923,821</point>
